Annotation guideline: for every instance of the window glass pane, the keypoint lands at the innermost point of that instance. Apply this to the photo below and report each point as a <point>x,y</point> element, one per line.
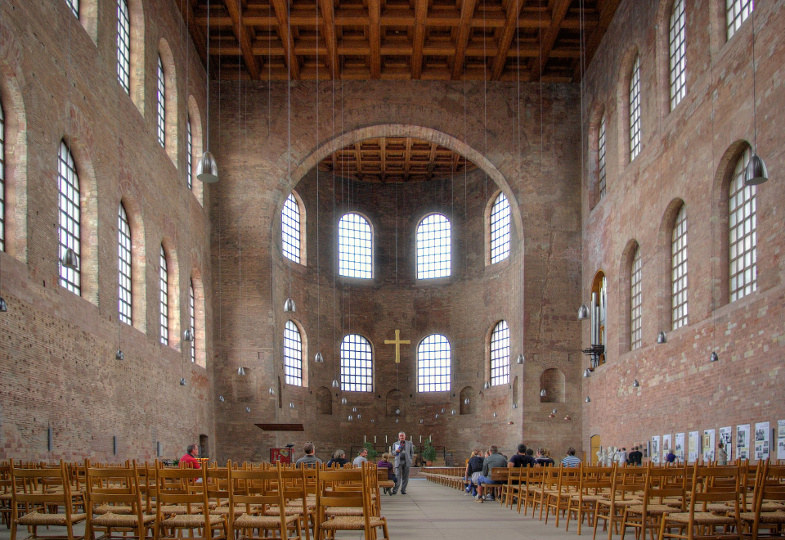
<point>192,320</point>
<point>679,271</point>
<point>356,364</point>
<point>500,229</point>
<point>635,109</point>
<point>163,286</point>
<point>290,229</point>
<point>636,301</point>
<point>433,364</point>
<point>69,219</point>
<point>124,297</point>
<point>74,5</point>
<point>2,179</point>
<point>292,354</point>
<point>601,158</point>
<point>677,37</point>
<point>189,154</point>
<point>433,247</point>
<point>500,354</point>
<point>161,109</point>
<point>736,12</point>
<point>742,233</point>
<point>123,46</point>
<point>355,244</point>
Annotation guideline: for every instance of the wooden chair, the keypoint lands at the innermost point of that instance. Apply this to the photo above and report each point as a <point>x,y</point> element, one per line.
<point>258,491</point>
<point>769,503</point>
<point>182,505</point>
<point>627,487</point>
<point>5,493</point>
<point>511,491</point>
<point>664,491</point>
<point>346,489</point>
<point>42,497</point>
<point>550,484</point>
<point>711,486</point>
<point>532,484</point>
<point>558,499</point>
<point>296,499</point>
<point>114,504</point>
<point>594,484</point>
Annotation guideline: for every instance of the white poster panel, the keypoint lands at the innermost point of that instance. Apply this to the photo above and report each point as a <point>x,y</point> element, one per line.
<point>695,446</point>
<point>726,439</point>
<point>762,441</point>
<point>655,446</point>
<point>708,445</point>
<point>666,446</point>
<point>743,441</point>
<point>679,446</point>
<point>780,439</point>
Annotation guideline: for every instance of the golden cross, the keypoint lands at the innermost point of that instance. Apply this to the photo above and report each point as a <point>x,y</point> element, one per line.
<point>397,342</point>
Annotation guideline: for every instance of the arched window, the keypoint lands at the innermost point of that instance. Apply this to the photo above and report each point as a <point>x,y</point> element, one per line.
<point>124,45</point>
<point>69,219</point>
<point>636,301</point>
<point>355,247</point>
<point>433,364</point>
<point>736,12</point>
<point>2,179</point>
<point>677,45</point>
<point>189,154</point>
<point>163,298</point>
<point>601,158</point>
<point>356,364</point>
<point>124,268</point>
<point>74,5</point>
<point>500,229</point>
<point>292,354</point>
<point>679,271</point>
<point>291,238</point>
<point>598,315</point>
<point>743,233</point>
<point>192,321</point>
<point>161,105</point>
<point>635,109</point>
<point>500,354</point>
<point>433,247</point>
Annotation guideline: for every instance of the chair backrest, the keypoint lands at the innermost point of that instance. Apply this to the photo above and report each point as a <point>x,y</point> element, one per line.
<point>181,487</point>
<point>255,489</point>
<point>113,486</point>
<point>40,488</point>
<point>665,483</point>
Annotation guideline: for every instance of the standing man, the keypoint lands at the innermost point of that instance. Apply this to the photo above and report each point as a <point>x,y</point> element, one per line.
<point>404,456</point>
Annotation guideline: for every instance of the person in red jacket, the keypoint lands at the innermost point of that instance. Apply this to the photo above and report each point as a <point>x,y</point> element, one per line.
<point>189,461</point>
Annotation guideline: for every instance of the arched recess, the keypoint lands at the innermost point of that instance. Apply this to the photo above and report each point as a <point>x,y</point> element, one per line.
<point>593,172</point>
<point>394,402</point>
<point>468,397</point>
<point>172,116</point>
<point>138,263</point>
<point>200,319</point>
<point>175,299</point>
<point>204,445</point>
<point>598,317</point>
<point>663,294</point>
<point>623,104</point>
<point>625,295</point>
<point>552,381</point>
<point>197,147</point>
<point>324,400</point>
<point>136,14</point>
<point>12,80</point>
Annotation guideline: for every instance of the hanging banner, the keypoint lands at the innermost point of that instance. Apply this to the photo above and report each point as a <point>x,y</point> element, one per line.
<point>743,441</point>
<point>679,446</point>
<point>694,449</point>
<point>726,439</point>
<point>780,439</point>
<point>762,441</point>
<point>708,445</point>
<point>655,446</point>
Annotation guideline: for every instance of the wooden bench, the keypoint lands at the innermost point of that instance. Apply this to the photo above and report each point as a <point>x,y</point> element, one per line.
<point>446,476</point>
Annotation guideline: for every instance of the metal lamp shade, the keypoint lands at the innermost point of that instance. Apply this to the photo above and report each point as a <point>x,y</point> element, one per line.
<point>756,172</point>
<point>207,169</point>
<point>583,312</point>
<point>70,260</point>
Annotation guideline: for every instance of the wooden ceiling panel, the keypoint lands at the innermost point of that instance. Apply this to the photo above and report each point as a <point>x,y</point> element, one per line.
<point>398,39</point>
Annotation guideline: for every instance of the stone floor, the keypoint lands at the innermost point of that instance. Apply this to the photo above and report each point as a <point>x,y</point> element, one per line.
<point>432,512</point>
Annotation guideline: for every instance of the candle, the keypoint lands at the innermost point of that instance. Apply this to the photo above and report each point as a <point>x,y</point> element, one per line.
<point>420,438</point>
<point>374,439</point>
<point>364,441</point>
<point>385,439</point>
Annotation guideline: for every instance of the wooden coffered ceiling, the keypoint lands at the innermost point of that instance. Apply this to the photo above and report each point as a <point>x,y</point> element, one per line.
<point>395,159</point>
<point>495,40</point>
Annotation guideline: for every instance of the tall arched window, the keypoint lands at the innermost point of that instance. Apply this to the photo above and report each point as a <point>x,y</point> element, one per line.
<point>355,247</point>
<point>69,219</point>
<point>677,45</point>
<point>290,228</point>
<point>433,247</point>
<point>500,354</point>
<point>743,233</point>
<point>163,298</point>
<point>635,109</point>
<point>636,301</point>
<point>192,320</point>
<point>500,229</point>
<point>189,154</point>
<point>161,104</point>
<point>736,12</point>
<point>433,364</point>
<point>124,274</point>
<point>2,179</point>
<point>601,159</point>
<point>598,315</point>
<point>679,271</point>
<point>356,364</point>
<point>124,45</point>
<point>292,354</point>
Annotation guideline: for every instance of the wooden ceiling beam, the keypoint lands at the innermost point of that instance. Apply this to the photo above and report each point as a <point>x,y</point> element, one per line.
<point>282,16</point>
<point>418,41</point>
<point>462,39</point>
<point>374,37</point>
<point>557,16</point>
<point>235,10</point>
<point>326,9</point>
<point>197,35</point>
<point>513,11</point>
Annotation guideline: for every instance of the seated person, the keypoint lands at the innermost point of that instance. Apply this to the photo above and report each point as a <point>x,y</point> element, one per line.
<point>309,459</point>
<point>473,471</point>
<point>339,458</point>
<point>385,463</point>
<point>189,461</point>
<point>493,459</point>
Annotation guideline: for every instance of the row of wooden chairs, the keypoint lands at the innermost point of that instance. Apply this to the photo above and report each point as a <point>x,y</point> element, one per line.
<point>211,503</point>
